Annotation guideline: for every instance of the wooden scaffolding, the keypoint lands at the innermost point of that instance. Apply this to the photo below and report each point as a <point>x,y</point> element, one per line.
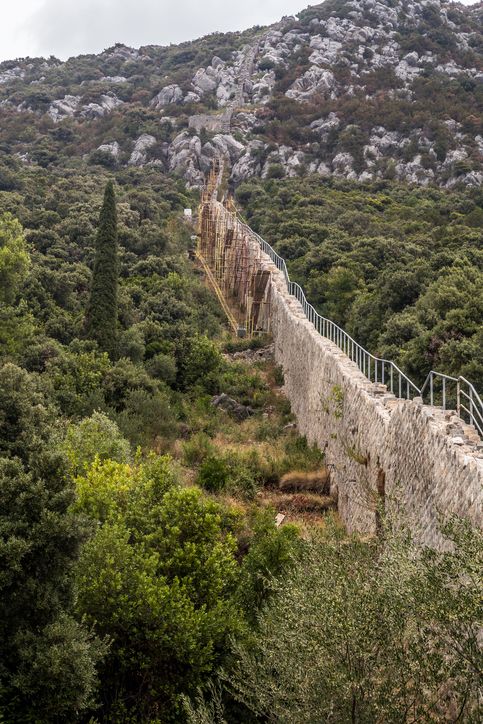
<point>232,254</point>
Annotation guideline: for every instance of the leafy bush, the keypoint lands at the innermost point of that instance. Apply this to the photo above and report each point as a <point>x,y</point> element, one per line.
<point>213,474</point>
<point>197,449</point>
<point>95,436</point>
<point>158,583</point>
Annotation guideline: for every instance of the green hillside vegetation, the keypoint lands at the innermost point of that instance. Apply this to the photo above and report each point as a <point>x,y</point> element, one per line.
<point>400,268</point>
<point>143,577</point>
<point>123,574</point>
<point>434,97</point>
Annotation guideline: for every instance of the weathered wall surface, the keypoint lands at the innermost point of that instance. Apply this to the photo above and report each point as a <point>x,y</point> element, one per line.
<point>214,124</point>
<point>376,445</point>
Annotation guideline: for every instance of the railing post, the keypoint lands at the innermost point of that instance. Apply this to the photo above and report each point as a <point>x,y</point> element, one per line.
<point>444,393</point>
<point>458,397</point>
<point>431,392</point>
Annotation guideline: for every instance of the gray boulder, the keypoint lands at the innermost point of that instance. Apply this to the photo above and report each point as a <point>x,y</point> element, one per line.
<point>116,79</point>
<point>11,74</point>
<point>343,165</point>
<point>107,103</point>
<point>63,108</point>
<point>234,408</point>
<point>314,81</point>
<point>191,97</point>
<point>113,148</point>
<point>249,164</point>
<point>139,156</point>
<point>204,81</point>
<point>167,95</point>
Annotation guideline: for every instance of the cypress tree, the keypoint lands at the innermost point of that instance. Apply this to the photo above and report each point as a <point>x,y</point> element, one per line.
<point>101,317</point>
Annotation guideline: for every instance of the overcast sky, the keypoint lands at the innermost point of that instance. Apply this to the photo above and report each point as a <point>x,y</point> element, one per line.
<point>69,27</point>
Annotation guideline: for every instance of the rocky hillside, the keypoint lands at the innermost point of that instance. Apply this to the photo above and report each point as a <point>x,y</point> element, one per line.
<point>358,89</point>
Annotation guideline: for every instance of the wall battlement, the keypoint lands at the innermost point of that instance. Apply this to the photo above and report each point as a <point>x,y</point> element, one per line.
<point>400,453</point>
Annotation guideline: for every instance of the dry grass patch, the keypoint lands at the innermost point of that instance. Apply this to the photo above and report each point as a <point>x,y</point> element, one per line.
<point>303,503</point>
<point>297,480</point>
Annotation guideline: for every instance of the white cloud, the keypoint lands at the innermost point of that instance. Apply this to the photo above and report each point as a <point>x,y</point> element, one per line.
<point>70,27</point>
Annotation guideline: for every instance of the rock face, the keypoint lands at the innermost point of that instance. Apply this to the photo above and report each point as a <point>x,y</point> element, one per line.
<point>314,81</point>
<point>169,94</point>
<point>360,89</point>
<point>143,143</point>
<point>214,123</point>
<point>69,105</point>
<point>188,157</point>
<point>107,103</point>
<point>116,79</point>
<point>250,163</point>
<point>10,74</point>
<point>363,39</point>
<point>113,148</point>
<point>63,108</point>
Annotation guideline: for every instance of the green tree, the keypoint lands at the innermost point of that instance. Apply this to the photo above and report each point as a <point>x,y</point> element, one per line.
<point>198,363</point>
<point>96,435</point>
<point>102,312</point>
<point>158,580</point>
<point>14,257</point>
<point>361,632</point>
<point>48,660</point>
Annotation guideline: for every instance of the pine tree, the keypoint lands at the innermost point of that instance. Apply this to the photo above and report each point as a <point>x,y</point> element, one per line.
<point>101,317</point>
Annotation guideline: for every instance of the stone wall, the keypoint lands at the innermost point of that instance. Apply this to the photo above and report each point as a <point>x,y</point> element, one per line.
<point>379,448</point>
<point>216,123</point>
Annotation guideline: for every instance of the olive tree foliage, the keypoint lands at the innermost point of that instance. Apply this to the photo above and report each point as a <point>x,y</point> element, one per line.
<point>360,633</point>
<point>16,323</point>
<point>94,436</point>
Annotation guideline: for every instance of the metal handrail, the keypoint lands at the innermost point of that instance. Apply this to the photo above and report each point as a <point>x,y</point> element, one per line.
<point>468,403</point>
<point>376,369</point>
<point>461,391</point>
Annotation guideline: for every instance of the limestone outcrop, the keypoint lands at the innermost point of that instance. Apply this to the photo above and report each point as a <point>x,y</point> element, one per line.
<point>139,154</point>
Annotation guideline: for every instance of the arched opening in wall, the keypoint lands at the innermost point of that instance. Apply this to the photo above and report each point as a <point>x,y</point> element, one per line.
<point>381,499</point>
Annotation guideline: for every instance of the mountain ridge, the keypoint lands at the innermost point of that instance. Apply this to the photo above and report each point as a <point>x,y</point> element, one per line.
<point>361,90</point>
